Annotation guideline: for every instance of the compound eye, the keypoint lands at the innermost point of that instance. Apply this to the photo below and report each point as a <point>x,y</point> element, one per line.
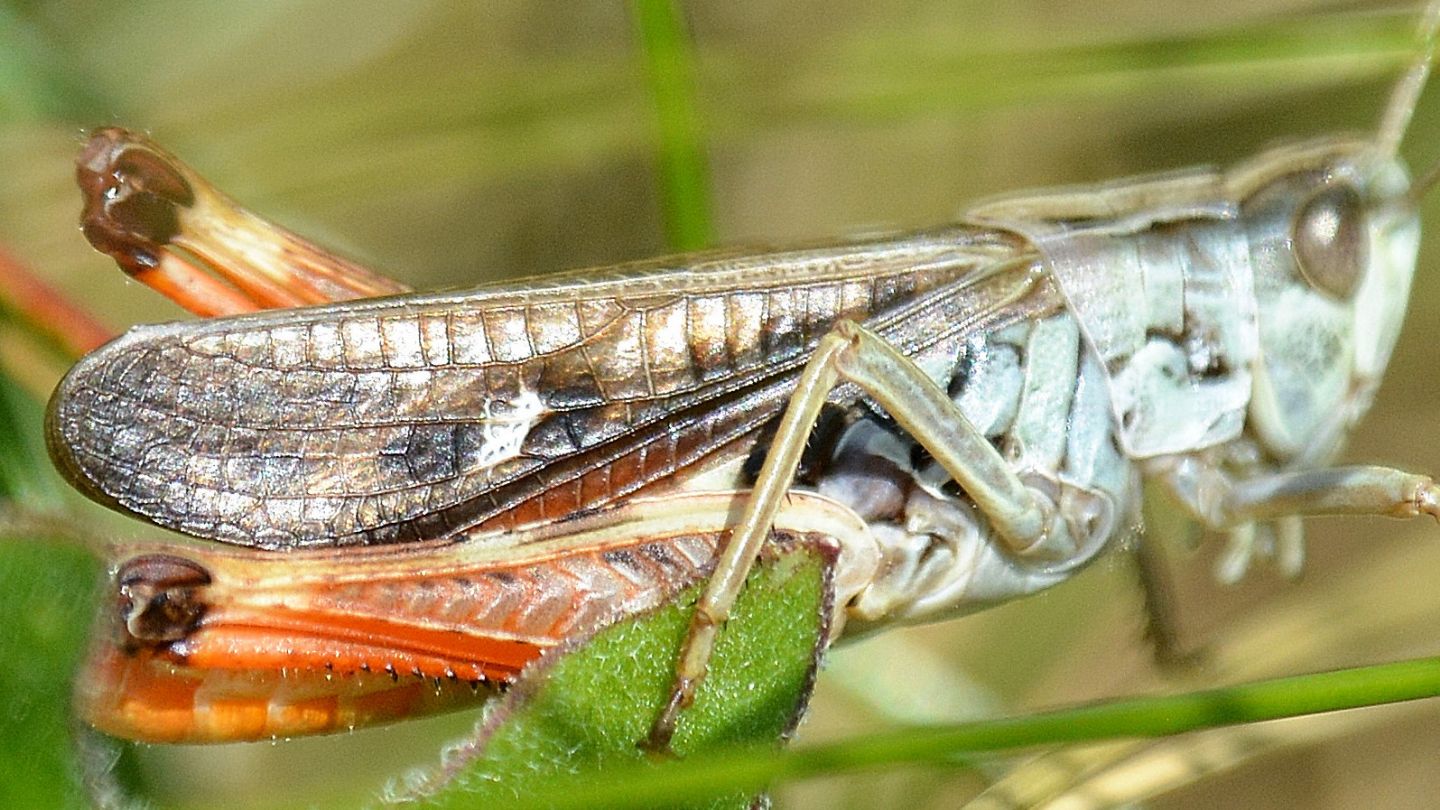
<point>1332,241</point>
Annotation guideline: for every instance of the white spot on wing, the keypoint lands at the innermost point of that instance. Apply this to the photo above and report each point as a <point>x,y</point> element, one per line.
<point>505,426</point>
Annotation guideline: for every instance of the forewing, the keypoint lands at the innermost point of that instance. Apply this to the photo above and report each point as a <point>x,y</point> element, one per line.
<point>416,417</point>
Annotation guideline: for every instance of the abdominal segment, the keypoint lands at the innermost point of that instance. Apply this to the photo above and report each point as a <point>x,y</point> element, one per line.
<point>227,646</point>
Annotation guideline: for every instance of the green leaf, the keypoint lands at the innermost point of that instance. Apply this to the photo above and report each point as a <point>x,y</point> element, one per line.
<point>1255,702</point>
<point>46,592</point>
<point>587,709</point>
<point>46,598</point>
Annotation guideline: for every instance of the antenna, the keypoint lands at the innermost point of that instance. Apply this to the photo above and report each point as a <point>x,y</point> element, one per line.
<point>1407,91</point>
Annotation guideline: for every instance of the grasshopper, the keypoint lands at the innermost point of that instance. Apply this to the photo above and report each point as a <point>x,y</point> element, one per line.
<point>418,494</point>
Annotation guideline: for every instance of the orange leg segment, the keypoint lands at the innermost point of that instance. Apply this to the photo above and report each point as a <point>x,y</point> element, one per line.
<point>169,228</point>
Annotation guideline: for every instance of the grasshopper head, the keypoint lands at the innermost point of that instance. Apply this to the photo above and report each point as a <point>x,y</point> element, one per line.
<point>1333,239</point>
<point>1333,233</point>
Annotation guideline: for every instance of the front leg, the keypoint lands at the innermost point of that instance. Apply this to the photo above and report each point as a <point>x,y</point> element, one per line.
<point>1242,507</point>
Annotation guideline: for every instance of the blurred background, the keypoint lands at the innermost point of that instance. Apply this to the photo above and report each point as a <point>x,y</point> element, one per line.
<point>450,143</point>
